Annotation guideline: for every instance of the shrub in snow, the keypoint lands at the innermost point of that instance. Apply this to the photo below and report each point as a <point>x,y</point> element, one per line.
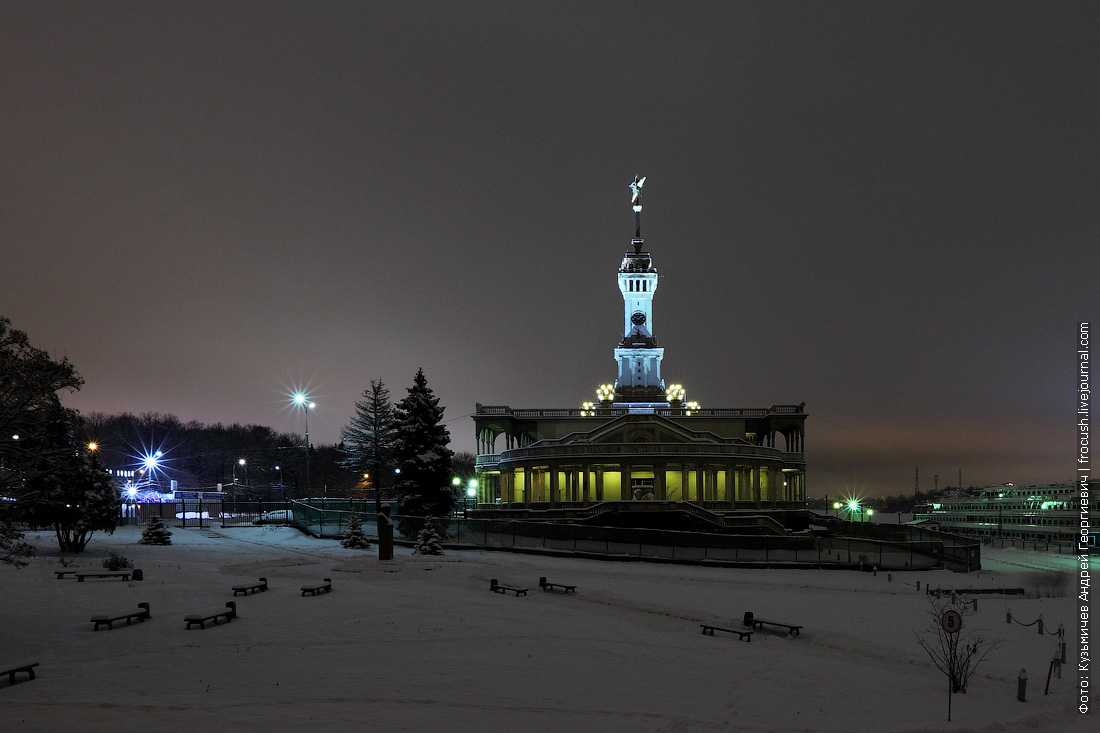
<point>116,561</point>
<point>13,548</point>
<point>355,539</point>
<point>956,654</point>
<point>428,541</point>
<point>156,533</point>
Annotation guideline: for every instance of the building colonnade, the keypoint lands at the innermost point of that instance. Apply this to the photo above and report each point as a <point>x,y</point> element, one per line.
<point>555,483</point>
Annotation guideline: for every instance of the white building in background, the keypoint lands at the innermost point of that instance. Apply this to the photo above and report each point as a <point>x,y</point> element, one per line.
<point>1031,513</point>
<point>640,440</point>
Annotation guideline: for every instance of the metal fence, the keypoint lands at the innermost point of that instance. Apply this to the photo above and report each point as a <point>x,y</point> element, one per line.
<point>618,542</point>
<point>852,545</point>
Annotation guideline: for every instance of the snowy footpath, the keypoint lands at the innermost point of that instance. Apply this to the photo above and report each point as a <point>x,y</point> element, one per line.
<point>420,644</point>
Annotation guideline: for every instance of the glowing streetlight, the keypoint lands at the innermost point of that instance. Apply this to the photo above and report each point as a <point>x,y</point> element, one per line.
<point>93,446</point>
<point>306,405</point>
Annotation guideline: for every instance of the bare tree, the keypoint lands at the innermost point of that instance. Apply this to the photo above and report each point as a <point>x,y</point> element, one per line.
<point>956,654</point>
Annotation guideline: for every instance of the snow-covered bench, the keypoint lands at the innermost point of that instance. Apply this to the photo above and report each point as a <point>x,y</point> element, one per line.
<point>123,574</point>
<point>28,668</point>
<point>315,589</point>
<point>128,616</point>
<point>741,635</point>
<point>244,590</point>
<point>758,623</point>
<point>62,573</point>
<point>498,588</point>
<point>553,586</point>
<point>229,613</point>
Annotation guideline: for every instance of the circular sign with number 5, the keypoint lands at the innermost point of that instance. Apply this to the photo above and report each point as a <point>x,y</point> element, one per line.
<point>951,621</point>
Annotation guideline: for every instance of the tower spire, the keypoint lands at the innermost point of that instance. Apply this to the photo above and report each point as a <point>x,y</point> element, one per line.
<point>636,204</point>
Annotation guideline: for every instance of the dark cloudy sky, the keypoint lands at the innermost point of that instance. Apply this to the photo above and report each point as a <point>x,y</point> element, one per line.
<point>886,210</point>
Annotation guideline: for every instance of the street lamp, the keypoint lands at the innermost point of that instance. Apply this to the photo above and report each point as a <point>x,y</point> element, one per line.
<point>471,493</point>
<point>301,401</point>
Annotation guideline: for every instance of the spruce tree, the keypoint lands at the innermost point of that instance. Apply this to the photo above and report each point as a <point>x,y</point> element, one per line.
<point>355,539</point>
<point>429,541</point>
<point>156,532</point>
<point>368,442</point>
<point>76,495</point>
<point>424,487</point>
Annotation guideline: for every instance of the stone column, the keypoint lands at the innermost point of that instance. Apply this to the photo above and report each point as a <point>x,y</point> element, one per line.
<point>554,490</point>
<point>659,481</point>
<point>731,495</point>
<point>626,491</point>
<point>599,483</point>
<point>584,482</point>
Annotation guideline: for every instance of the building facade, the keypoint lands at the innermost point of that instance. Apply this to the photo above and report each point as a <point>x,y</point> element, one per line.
<point>640,440</point>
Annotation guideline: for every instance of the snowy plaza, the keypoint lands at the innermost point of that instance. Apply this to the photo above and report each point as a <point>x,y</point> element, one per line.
<point>418,644</point>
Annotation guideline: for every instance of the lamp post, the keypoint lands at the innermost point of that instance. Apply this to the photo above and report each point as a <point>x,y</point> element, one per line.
<point>300,400</point>
<point>471,493</point>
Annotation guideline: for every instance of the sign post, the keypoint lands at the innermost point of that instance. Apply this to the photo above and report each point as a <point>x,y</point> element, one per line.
<point>950,622</point>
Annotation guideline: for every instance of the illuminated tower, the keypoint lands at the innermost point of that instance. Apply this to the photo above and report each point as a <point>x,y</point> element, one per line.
<point>639,356</point>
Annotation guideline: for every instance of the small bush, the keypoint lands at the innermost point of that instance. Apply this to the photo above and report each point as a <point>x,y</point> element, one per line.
<point>116,561</point>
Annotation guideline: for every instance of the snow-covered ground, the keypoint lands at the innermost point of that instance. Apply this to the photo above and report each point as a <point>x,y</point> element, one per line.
<point>419,644</point>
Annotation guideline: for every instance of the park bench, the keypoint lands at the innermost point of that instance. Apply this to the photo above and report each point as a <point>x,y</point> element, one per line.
<point>127,616</point>
<point>498,588</point>
<point>123,574</point>
<point>229,613</point>
<point>28,668</point>
<point>758,623</point>
<point>62,573</point>
<point>741,635</point>
<point>313,590</point>
<point>553,586</point>
<point>244,590</point>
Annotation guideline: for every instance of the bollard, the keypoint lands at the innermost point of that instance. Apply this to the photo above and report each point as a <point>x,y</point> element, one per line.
<point>1021,689</point>
<point>918,585</point>
<point>874,569</point>
<point>889,577</point>
<point>1061,653</point>
<point>1062,635</point>
<point>1040,624</point>
<point>1008,616</point>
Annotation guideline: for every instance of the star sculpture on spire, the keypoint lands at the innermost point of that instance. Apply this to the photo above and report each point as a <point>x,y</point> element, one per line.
<point>636,188</point>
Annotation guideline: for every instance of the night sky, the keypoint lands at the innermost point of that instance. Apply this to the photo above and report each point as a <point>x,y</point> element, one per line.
<point>886,210</point>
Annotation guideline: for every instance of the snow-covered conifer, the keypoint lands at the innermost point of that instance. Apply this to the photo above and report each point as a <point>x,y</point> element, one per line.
<point>429,541</point>
<point>156,533</point>
<point>355,539</point>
